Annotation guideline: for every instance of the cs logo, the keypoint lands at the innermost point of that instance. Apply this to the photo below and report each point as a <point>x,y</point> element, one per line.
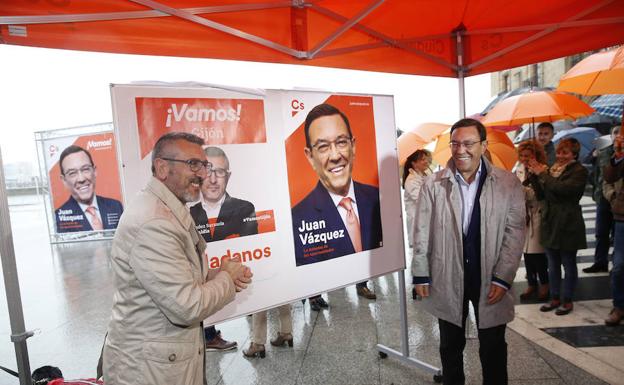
<point>296,106</point>
<point>52,150</point>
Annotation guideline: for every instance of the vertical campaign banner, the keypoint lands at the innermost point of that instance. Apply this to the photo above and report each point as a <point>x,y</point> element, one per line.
<point>257,202</point>
<point>344,187</point>
<point>330,156</point>
<point>84,182</point>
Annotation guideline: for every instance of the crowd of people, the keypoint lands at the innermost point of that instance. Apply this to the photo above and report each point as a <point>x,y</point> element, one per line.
<point>468,224</point>
<point>555,229</point>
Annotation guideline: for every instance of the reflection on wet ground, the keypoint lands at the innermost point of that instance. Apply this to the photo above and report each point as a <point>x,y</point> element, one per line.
<point>67,291</point>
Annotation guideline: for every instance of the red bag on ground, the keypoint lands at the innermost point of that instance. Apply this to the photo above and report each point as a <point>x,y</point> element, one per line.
<point>85,381</point>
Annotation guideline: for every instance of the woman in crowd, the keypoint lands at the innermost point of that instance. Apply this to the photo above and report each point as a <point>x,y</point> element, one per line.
<point>414,172</point>
<point>562,228</point>
<point>259,332</point>
<point>535,260</point>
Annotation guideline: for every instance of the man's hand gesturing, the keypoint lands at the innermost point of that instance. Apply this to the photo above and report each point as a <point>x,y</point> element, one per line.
<point>240,274</point>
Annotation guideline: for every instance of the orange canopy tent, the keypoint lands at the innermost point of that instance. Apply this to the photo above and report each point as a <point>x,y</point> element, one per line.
<point>450,38</point>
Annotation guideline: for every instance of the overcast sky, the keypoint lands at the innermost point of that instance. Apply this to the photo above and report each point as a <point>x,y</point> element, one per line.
<point>43,89</point>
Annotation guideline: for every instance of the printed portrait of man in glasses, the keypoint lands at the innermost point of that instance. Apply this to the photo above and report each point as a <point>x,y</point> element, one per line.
<point>218,215</point>
<point>339,216</point>
<point>84,210</point>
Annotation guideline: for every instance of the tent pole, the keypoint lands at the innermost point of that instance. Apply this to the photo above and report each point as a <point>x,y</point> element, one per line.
<point>11,283</point>
<point>459,43</point>
<point>462,94</point>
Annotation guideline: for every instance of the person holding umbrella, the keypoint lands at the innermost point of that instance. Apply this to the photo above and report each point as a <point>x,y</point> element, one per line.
<point>535,259</point>
<point>563,228</point>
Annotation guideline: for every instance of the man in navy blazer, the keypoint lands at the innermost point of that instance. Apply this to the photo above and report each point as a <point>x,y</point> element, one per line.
<point>318,206</point>
<point>340,216</point>
<point>232,221</point>
<point>83,211</point>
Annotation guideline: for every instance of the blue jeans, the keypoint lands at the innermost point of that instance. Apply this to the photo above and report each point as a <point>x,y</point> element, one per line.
<point>555,259</point>
<point>604,224</point>
<point>617,273</point>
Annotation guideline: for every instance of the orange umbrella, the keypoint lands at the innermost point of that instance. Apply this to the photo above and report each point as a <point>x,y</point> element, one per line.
<point>598,74</point>
<point>418,137</point>
<point>538,106</point>
<point>501,149</point>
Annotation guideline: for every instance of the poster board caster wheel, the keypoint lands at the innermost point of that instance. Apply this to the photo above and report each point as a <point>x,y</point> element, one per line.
<point>383,355</point>
<point>437,378</point>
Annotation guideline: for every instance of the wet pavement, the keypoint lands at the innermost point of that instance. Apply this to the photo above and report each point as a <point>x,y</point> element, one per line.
<point>67,291</point>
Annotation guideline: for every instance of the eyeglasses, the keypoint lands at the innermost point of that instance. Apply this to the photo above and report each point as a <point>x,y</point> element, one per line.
<point>468,145</point>
<point>323,146</point>
<point>219,172</point>
<point>72,173</point>
<point>193,163</point>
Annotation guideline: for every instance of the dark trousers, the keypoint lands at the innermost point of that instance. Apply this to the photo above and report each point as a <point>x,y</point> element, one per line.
<point>536,267</point>
<point>210,333</point>
<point>492,351</point>
<point>604,227</point>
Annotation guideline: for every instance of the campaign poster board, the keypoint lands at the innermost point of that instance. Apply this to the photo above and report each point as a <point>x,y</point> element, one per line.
<point>262,134</point>
<point>85,189</point>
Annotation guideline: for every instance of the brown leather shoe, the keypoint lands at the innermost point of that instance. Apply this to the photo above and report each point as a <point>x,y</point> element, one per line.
<point>564,309</point>
<point>365,292</point>
<point>219,344</point>
<point>528,293</point>
<point>550,306</point>
<point>543,292</point>
<point>255,350</point>
<point>283,338</point>
<point>615,317</point>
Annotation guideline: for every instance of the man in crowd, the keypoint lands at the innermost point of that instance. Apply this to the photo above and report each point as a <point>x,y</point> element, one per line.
<point>337,201</point>
<point>219,216</point>
<point>613,174</point>
<point>84,210</point>
<point>545,133</point>
<point>604,216</point>
<point>468,238</point>
<point>163,288</point>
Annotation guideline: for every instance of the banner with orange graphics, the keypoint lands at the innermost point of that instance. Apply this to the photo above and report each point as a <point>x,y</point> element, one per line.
<point>259,199</point>
<point>331,153</point>
<point>232,126</point>
<point>217,121</point>
<point>84,182</point>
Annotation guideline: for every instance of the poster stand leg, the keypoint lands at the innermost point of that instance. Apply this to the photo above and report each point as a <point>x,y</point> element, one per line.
<point>403,355</point>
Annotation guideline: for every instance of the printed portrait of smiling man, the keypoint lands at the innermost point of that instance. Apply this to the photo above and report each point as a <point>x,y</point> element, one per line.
<point>218,215</point>
<point>84,210</point>
<point>339,216</point>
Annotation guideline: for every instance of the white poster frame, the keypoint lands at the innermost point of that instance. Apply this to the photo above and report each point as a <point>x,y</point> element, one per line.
<point>283,282</point>
<point>40,138</point>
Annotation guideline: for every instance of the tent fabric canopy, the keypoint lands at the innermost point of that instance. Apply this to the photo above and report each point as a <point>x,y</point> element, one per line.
<point>420,37</point>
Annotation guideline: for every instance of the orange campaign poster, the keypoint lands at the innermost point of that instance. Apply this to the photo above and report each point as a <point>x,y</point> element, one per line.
<point>84,182</point>
<point>217,121</point>
<point>333,180</point>
<point>225,124</point>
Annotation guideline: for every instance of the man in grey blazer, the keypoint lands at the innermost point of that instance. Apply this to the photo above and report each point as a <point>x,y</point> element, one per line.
<point>469,230</point>
<point>163,287</point>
